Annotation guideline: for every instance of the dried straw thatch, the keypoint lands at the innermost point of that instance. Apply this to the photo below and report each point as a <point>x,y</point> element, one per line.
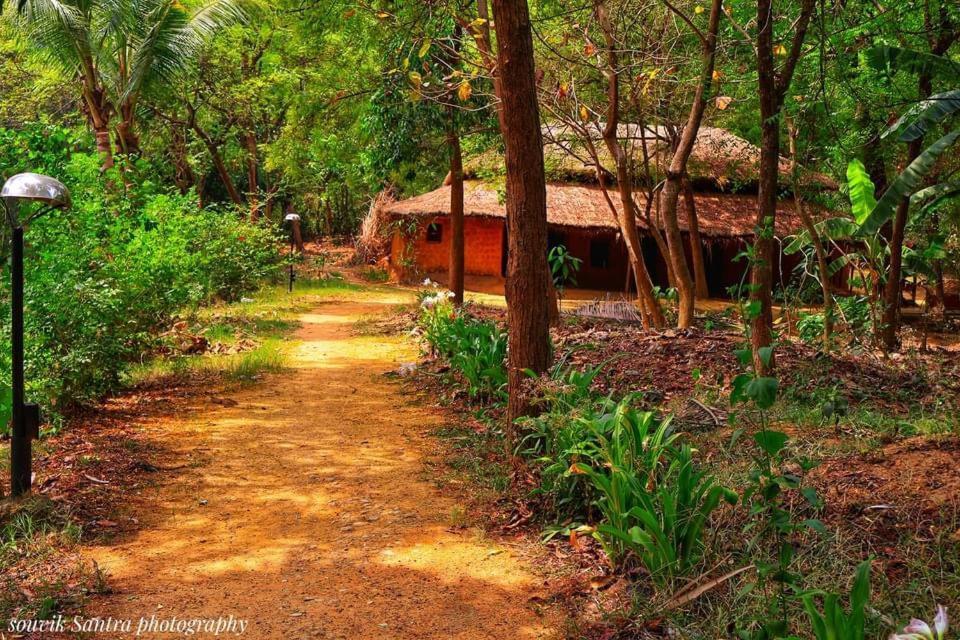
<point>584,207</point>
<point>373,243</point>
<point>719,159</point>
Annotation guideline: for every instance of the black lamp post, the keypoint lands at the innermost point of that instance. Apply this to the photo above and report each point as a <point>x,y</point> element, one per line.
<point>30,187</point>
<point>293,221</point>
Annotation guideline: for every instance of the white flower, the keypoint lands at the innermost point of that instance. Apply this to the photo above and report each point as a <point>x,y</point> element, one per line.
<point>450,294</point>
<point>920,630</point>
<point>427,282</point>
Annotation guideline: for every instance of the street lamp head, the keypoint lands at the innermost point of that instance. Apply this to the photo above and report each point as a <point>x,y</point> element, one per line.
<point>33,187</point>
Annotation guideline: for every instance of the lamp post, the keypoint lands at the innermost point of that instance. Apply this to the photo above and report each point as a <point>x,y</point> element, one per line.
<point>30,187</point>
<point>293,221</point>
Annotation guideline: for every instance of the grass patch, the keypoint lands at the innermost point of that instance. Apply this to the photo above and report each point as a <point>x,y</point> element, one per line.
<point>34,534</point>
<point>251,365</point>
<point>476,455</point>
<point>375,275</point>
<point>263,320</point>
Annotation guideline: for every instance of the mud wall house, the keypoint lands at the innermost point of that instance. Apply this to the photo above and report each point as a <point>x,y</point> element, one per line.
<point>579,217</point>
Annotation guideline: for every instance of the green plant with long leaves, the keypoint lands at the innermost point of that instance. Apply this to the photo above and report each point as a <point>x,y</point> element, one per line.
<point>831,622</point>
<point>652,499</point>
<point>913,125</point>
<point>476,349</point>
<point>661,526</point>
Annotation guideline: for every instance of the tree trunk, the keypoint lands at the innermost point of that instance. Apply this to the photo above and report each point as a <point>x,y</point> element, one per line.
<point>98,110</point>
<point>127,139</point>
<point>678,259</point>
<point>455,275</point>
<point>696,244</point>
<point>253,187</point>
<point>627,215</point>
<point>678,169</point>
<point>890,320</point>
<point>104,147</point>
<point>528,276</point>
<point>772,89</point>
<point>761,273</point>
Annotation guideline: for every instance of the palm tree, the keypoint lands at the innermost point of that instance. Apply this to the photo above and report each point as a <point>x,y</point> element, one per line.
<point>119,49</point>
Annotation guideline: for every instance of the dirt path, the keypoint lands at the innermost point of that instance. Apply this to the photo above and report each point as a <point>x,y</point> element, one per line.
<point>311,517</point>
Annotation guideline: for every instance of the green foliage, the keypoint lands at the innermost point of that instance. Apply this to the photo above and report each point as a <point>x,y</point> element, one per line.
<point>563,266</point>
<point>769,495</point>
<point>852,311</point>
<point>663,525</point>
<point>861,191</point>
<point>912,126</point>
<point>103,278</point>
<point>598,456</point>
<point>37,147</point>
<point>907,183</point>
<point>832,622</point>
<point>475,348</point>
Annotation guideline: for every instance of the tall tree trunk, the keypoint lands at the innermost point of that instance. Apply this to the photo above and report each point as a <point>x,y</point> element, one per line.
<point>627,215</point>
<point>696,243</point>
<point>678,259</point>
<point>890,320</point>
<point>455,275</point>
<point>761,274</point>
<point>677,171</point>
<point>528,276</point>
<point>772,88</point>
<point>250,142</point>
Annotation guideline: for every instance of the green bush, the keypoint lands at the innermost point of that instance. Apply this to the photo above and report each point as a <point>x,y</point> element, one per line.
<point>605,462</point>
<point>103,278</point>
<point>852,312</point>
<point>476,349</point>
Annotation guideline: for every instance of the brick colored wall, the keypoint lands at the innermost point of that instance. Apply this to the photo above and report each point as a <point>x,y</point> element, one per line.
<point>482,255</point>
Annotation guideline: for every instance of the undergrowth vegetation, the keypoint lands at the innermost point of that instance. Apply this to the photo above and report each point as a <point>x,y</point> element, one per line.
<point>723,543</point>
<point>105,277</point>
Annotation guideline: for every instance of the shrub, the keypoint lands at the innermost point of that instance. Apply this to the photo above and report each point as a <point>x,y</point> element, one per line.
<point>103,278</point>
<point>595,454</point>
<point>852,312</point>
<point>476,349</point>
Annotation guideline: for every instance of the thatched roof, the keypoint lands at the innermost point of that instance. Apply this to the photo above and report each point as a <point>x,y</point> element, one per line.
<point>584,206</point>
<point>719,158</point>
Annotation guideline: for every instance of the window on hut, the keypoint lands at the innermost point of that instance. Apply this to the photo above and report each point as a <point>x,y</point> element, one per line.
<point>434,232</point>
<point>599,253</point>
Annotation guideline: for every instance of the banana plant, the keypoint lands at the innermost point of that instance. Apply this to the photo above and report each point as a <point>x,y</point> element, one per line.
<point>914,124</point>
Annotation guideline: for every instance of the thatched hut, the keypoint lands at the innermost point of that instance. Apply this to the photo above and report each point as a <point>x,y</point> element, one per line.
<point>580,218</point>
